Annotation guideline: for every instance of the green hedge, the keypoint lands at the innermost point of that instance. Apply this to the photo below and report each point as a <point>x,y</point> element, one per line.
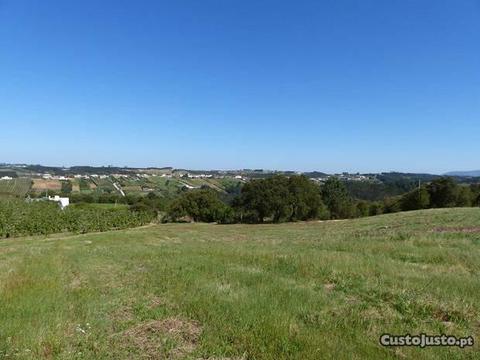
<point>19,218</point>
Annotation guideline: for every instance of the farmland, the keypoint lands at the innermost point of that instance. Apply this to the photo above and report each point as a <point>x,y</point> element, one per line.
<point>15,187</point>
<point>131,185</point>
<point>21,218</point>
<point>40,185</point>
<point>307,290</point>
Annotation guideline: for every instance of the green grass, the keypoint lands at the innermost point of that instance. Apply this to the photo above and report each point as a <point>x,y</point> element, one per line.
<point>317,290</point>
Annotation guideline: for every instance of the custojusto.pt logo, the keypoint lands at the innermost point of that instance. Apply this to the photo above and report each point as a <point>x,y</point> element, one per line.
<point>424,340</point>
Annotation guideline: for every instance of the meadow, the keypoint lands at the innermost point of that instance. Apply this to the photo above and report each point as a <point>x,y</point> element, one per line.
<point>306,290</point>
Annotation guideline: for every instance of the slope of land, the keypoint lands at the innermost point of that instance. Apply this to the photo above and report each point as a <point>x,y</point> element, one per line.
<point>292,291</point>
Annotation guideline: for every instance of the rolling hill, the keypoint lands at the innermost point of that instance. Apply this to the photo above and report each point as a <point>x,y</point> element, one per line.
<point>200,291</point>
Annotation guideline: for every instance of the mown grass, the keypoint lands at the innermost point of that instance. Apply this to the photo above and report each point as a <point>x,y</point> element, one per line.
<point>316,290</point>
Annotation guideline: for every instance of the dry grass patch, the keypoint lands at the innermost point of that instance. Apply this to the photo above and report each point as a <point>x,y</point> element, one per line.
<point>329,287</point>
<point>171,338</point>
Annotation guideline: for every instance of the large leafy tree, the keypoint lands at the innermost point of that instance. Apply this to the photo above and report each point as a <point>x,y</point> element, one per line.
<point>200,205</point>
<point>306,201</point>
<point>337,199</point>
<point>443,192</point>
<point>264,198</point>
<point>279,198</point>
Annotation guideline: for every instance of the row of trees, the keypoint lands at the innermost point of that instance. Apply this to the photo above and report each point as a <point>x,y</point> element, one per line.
<point>440,193</point>
<point>281,199</point>
<point>275,199</point>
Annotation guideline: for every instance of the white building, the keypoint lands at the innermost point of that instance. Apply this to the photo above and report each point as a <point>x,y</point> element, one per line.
<point>6,178</point>
<point>62,201</point>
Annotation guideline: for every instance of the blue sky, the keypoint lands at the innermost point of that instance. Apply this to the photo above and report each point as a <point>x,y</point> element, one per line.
<point>334,85</point>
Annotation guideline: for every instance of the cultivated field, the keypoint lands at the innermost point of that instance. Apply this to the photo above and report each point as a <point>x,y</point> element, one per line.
<point>43,184</point>
<point>318,290</point>
<point>16,187</point>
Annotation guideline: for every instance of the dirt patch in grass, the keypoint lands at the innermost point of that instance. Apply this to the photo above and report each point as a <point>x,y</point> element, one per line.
<point>171,338</point>
<point>329,287</point>
<point>76,281</point>
<point>75,284</point>
<point>471,230</point>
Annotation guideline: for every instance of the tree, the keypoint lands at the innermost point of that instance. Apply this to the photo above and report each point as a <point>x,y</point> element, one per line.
<point>336,198</point>
<point>279,198</point>
<point>375,208</point>
<point>362,208</point>
<point>392,204</point>
<point>443,192</point>
<point>415,200</point>
<point>306,199</point>
<point>200,205</point>
<point>251,203</point>
<point>464,196</point>
<point>264,198</point>
<point>475,189</point>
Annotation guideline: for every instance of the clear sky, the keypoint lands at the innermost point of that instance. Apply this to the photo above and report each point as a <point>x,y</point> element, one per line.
<point>330,85</point>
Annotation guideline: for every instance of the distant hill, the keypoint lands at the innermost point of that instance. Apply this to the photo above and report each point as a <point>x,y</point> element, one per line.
<point>473,173</point>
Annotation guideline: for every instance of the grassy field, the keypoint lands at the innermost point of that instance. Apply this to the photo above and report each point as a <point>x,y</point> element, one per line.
<point>317,290</point>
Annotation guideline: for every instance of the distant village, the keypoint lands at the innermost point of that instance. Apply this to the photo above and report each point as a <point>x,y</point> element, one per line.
<point>65,174</point>
<point>59,184</point>
<point>246,174</point>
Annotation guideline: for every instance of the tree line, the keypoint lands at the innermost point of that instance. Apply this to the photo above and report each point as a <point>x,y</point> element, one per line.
<point>296,198</point>
<point>275,199</point>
